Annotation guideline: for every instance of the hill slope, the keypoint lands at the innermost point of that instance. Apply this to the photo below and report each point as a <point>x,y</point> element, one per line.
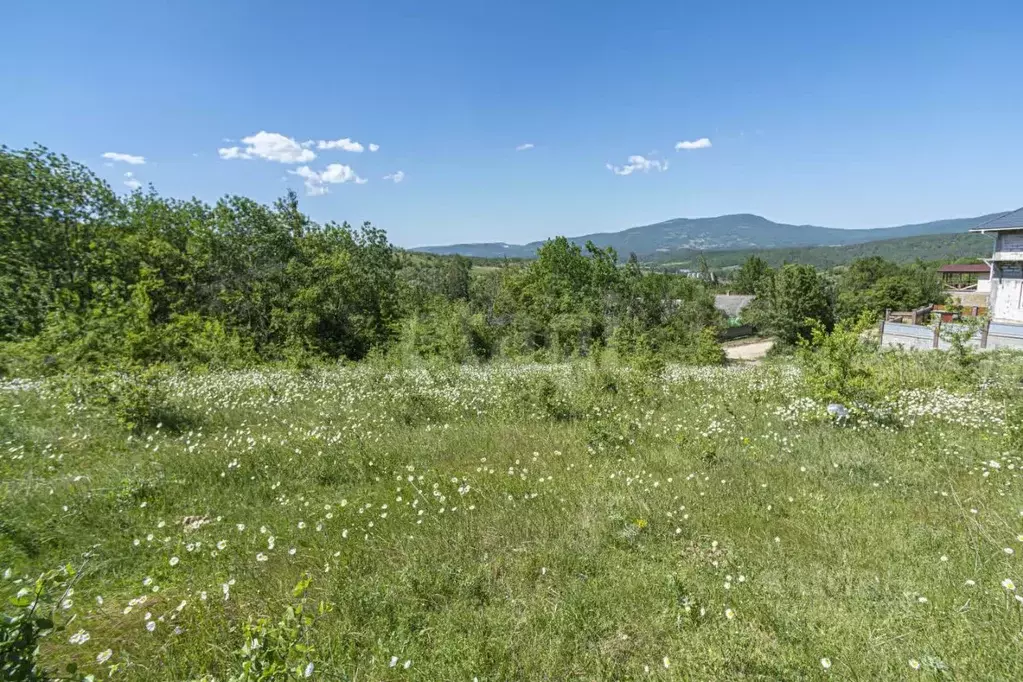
<point>934,247</point>
<point>733,232</point>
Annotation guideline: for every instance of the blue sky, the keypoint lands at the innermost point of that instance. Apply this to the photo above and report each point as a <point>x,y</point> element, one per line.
<point>847,114</point>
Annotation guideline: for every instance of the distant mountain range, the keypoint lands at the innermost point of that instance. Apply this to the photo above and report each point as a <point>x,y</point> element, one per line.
<point>727,232</point>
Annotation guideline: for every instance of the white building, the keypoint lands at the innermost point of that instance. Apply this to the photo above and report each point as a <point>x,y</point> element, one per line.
<point>1005,302</point>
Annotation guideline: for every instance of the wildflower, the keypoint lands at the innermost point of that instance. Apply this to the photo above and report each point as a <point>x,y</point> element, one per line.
<point>922,599</point>
<point>240,527</point>
<point>914,664</point>
<point>151,625</point>
<point>825,663</point>
<point>291,552</point>
<point>407,664</point>
<point>729,614</point>
<point>667,662</point>
<point>970,583</point>
<point>1009,551</point>
<point>394,662</point>
<point>104,656</point>
<point>308,670</point>
<point>261,557</point>
<point>1009,585</point>
<point>80,637</point>
<point>222,545</point>
<point>174,561</point>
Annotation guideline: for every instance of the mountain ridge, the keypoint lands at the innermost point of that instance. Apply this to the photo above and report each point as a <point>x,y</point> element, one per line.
<point>726,232</point>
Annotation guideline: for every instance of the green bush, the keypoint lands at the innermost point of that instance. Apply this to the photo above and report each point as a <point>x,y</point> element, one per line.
<point>834,366</point>
<point>31,615</point>
<point>706,350</point>
<point>137,398</point>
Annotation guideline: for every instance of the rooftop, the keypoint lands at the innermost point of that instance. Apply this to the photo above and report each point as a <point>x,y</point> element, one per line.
<point>731,305</point>
<point>979,268</point>
<point>1013,220</point>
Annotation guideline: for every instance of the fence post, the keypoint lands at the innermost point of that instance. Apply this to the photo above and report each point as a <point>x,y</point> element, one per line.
<point>880,340</point>
<point>937,329</point>
<point>983,333</point>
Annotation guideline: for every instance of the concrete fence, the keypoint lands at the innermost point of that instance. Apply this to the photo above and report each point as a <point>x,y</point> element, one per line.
<point>991,336</point>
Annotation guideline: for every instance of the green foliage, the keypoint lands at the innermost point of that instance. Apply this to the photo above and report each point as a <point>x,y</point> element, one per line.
<point>280,649</point>
<point>750,277</point>
<point>958,335</point>
<point>792,303</point>
<point>834,365</point>
<point>873,285</point>
<point>93,280</point>
<point>707,350</point>
<point>31,614</point>
<point>904,250</point>
<point>136,398</point>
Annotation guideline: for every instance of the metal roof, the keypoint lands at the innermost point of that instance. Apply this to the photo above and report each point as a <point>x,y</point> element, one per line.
<point>966,267</point>
<point>731,305</point>
<point>1013,220</point>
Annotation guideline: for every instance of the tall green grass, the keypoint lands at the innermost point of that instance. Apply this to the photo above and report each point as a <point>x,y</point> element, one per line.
<point>525,522</point>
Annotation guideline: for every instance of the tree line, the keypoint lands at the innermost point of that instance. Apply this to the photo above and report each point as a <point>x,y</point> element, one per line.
<point>91,278</point>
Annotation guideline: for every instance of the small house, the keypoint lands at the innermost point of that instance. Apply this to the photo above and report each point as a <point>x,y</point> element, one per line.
<point>1005,299</point>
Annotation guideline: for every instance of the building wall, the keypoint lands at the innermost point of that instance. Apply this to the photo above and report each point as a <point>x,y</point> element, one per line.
<point>983,286</point>
<point>969,299</point>
<point>1007,278</point>
<point>1007,299</point>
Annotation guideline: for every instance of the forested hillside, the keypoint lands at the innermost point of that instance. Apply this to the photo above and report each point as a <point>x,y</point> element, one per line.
<point>934,247</point>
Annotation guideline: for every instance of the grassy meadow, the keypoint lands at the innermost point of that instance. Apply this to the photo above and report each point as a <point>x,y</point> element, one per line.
<point>514,522</point>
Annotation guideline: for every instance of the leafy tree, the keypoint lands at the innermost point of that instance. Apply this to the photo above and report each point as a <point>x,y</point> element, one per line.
<point>751,276</point>
<point>873,285</point>
<point>793,301</point>
<point>91,279</point>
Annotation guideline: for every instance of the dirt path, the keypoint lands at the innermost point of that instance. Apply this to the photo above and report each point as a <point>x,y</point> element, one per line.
<point>750,351</point>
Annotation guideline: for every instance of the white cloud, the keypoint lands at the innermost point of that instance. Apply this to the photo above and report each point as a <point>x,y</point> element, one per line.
<point>126,158</point>
<point>524,147</point>
<point>638,163</point>
<point>130,181</point>
<point>345,144</point>
<point>232,153</point>
<point>373,147</point>
<point>395,177</point>
<point>334,174</point>
<point>269,146</point>
<point>702,143</point>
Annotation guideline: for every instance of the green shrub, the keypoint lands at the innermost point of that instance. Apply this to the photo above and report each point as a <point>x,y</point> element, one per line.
<point>706,350</point>
<point>833,364</point>
<point>135,398</point>
<point>280,649</point>
<point>30,616</point>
